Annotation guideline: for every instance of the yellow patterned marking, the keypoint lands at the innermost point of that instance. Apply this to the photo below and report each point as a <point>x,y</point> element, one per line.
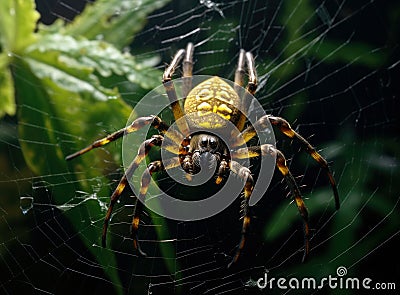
<point>246,221</point>
<point>204,94</point>
<point>103,141</point>
<point>224,96</point>
<point>120,188</point>
<point>204,106</point>
<point>143,189</point>
<point>223,108</point>
<point>299,203</point>
<point>135,223</point>
<point>209,124</point>
<point>213,96</point>
<point>317,157</point>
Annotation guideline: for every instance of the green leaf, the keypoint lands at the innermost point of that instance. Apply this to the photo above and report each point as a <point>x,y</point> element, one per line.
<point>7,104</point>
<point>17,24</point>
<point>87,58</point>
<point>67,94</point>
<point>50,124</point>
<point>64,106</point>
<point>115,21</point>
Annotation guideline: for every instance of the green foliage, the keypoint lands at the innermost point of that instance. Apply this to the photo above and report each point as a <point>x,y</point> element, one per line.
<point>55,76</point>
<point>7,105</point>
<point>114,21</point>
<point>17,23</point>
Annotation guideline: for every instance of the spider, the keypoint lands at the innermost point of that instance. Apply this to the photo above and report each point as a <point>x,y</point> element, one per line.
<point>205,108</point>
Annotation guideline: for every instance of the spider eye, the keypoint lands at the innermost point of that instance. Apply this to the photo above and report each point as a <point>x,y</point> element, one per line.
<point>213,143</point>
<point>204,142</point>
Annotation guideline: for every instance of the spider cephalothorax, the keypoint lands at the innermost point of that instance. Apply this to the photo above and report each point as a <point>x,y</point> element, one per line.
<point>211,108</point>
<point>205,151</point>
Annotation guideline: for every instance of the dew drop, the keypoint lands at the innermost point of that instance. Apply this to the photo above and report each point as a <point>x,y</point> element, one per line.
<point>25,204</point>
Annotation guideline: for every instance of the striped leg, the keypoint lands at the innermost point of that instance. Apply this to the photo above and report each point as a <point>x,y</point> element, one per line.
<point>240,71</point>
<point>252,83</point>
<point>270,150</point>
<point>170,88</point>
<point>187,67</point>
<point>139,123</point>
<point>144,149</point>
<point>245,57</point>
<point>244,174</point>
<point>286,129</point>
<point>153,167</point>
<point>223,169</point>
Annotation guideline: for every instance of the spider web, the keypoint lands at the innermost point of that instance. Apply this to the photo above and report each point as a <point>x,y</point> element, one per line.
<point>330,68</point>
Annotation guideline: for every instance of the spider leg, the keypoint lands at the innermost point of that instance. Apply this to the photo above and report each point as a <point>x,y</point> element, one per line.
<point>137,124</point>
<point>240,71</point>
<point>252,83</point>
<point>153,167</point>
<point>270,150</point>
<point>144,149</point>
<point>244,174</point>
<point>222,170</point>
<point>187,67</point>
<point>245,57</point>
<point>286,129</point>
<point>170,88</point>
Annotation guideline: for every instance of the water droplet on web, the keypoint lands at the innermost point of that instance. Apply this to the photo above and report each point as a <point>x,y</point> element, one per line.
<point>212,5</point>
<point>25,204</point>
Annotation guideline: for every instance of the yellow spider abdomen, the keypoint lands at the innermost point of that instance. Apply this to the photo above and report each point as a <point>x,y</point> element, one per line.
<point>211,104</point>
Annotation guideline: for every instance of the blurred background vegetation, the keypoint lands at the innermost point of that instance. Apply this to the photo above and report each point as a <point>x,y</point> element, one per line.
<point>69,77</point>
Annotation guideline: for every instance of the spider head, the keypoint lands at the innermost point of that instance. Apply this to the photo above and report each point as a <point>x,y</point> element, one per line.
<point>205,153</point>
